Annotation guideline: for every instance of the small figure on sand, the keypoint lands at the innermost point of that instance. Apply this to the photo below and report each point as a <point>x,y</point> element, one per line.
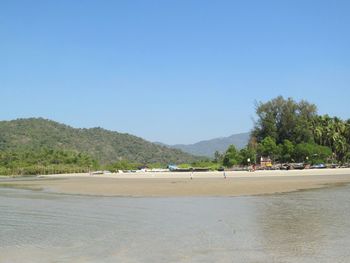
<point>191,176</point>
<point>251,168</point>
<point>224,174</point>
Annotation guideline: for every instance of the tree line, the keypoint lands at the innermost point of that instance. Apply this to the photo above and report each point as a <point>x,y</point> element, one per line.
<point>285,131</point>
<point>291,131</point>
<point>44,161</point>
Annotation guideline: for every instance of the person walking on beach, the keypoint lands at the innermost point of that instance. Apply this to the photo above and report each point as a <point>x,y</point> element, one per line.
<point>224,175</point>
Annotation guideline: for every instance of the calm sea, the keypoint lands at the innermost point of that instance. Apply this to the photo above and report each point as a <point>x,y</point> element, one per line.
<point>308,226</point>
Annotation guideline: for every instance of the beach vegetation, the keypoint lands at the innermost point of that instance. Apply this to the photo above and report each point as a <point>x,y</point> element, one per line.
<point>312,153</point>
<point>122,165</point>
<point>287,131</point>
<point>218,157</point>
<point>231,157</point>
<point>209,164</point>
<point>247,156</point>
<point>268,147</point>
<point>286,151</point>
<point>45,161</point>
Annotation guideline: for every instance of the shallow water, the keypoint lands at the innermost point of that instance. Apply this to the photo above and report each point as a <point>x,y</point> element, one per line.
<point>307,226</point>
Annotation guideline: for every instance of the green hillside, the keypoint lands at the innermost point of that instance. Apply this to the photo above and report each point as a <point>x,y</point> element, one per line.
<point>209,147</point>
<point>102,145</point>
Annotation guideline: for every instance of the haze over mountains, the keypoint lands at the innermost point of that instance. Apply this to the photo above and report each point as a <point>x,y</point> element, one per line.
<point>102,145</point>
<point>207,148</point>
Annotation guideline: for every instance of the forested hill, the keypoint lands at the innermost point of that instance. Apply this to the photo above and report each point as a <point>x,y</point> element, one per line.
<point>102,145</point>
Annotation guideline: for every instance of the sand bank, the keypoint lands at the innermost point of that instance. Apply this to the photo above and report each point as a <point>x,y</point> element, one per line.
<point>180,184</point>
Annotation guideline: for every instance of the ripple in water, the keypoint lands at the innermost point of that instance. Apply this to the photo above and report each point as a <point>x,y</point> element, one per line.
<point>309,226</point>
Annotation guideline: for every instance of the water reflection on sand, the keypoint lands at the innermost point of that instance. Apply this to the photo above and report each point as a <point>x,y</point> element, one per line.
<point>308,226</point>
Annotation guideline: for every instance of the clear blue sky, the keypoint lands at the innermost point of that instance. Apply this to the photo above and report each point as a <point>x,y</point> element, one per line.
<point>171,71</point>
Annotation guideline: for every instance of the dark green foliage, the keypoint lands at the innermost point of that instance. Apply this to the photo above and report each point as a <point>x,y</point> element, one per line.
<point>231,157</point>
<point>268,147</point>
<point>123,165</point>
<point>206,164</point>
<point>334,133</point>
<point>44,161</point>
<point>283,119</point>
<point>105,146</point>
<point>247,156</point>
<point>297,131</point>
<point>286,151</point>
<point>312,153</point>
<point>289,131</point>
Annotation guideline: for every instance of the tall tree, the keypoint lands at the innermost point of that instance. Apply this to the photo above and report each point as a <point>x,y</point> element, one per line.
<point>333,133</point>
<point>287,151</point>
<point>283,119</point>
<point>268,147</point>
<point>231,157</point>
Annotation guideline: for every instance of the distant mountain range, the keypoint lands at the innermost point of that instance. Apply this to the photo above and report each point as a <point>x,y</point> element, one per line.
<point>207,148</point>
<point>103,145</point>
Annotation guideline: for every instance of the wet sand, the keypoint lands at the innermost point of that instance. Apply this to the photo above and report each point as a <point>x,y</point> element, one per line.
<point>180,184</point>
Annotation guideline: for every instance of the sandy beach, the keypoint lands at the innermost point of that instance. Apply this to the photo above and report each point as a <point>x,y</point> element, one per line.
<point>180,184</point>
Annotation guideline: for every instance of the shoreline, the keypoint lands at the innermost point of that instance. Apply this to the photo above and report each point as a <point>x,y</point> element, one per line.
<point>186,175</point>
<point>179,184</point>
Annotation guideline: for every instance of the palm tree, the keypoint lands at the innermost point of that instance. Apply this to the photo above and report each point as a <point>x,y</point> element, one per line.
<point>318,130</point>
<point>347,131</point>
<point>334,133</point>
<point>341,148</point>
